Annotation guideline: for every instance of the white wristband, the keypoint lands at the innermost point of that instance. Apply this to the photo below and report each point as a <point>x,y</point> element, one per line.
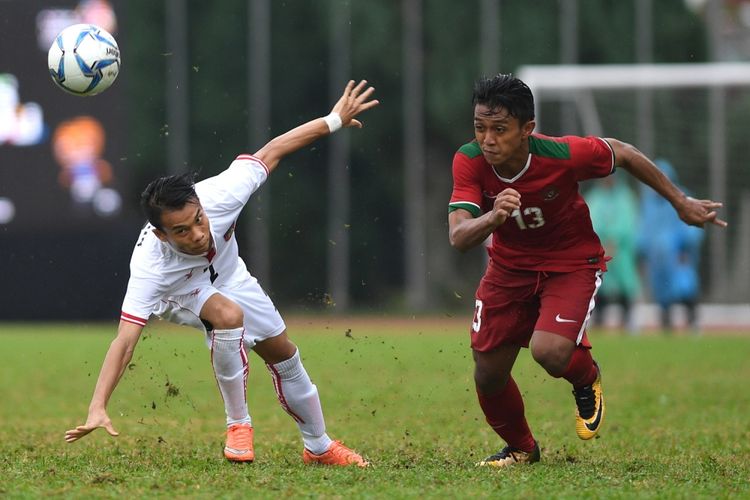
<point>333,120</point>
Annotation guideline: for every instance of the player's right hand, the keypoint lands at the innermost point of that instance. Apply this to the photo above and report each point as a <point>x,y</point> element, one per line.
<point>94,421</point>
<point>354,100</point>
<point>508,200</point>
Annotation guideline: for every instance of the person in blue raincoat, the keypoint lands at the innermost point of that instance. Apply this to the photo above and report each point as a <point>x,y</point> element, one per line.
<point>670,251</point>
<point>614,214</point>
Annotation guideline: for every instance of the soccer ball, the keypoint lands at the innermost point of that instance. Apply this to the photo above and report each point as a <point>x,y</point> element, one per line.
<point>84,59</point>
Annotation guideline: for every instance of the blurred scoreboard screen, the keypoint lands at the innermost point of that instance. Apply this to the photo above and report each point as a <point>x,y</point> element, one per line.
<point>68,220</point>
<point>62,157</point>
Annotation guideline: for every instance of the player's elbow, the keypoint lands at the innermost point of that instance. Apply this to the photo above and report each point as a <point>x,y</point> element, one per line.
<point>128,354</point>
<point>269,155</point>
<point>457,242</point>
<point>123,348</point>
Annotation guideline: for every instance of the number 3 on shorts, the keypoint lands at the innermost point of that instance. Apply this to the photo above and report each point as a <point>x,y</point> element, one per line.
<point>477,323</point>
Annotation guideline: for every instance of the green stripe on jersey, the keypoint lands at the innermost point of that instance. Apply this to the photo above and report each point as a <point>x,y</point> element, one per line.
<point>469,207</point>
<point>550,149</point>
<point>470,149</point>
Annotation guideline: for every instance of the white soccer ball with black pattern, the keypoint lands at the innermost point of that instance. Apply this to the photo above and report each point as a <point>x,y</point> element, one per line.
<point>84,59</point>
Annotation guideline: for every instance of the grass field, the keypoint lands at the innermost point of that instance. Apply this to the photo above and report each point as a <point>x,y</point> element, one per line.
<point>399,391</point>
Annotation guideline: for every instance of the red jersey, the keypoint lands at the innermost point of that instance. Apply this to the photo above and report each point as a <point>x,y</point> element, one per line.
<point>552,230</point>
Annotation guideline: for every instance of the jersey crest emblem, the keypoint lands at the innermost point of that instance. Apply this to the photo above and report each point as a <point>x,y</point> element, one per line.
<point>550,193</point>
<point>230,231</point>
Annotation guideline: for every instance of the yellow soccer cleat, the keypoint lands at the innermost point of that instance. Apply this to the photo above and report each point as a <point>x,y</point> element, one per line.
<point>337,454</point>
<point>511,456</point>
<point>589,407</point>
<point>239,447</point>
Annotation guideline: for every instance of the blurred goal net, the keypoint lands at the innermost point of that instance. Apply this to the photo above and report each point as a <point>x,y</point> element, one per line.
<point>697,116</point>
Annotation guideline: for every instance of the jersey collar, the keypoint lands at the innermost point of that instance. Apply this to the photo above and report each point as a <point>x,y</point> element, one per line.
<point>517,176</point>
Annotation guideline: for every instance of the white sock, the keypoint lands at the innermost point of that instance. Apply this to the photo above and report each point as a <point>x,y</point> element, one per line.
<point>299,398</point>
<point>229,360</point>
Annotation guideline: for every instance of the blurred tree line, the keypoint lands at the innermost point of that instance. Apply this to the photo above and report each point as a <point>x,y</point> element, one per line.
<point>218,117</point>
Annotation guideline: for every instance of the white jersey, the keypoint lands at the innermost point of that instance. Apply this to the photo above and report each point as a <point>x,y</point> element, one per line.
<point>158,271</point>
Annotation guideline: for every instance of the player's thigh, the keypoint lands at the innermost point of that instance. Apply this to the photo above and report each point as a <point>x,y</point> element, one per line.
<point>262,320</point>
<point>566,303</point>
<point>185,309</point>
<point>503,315</point>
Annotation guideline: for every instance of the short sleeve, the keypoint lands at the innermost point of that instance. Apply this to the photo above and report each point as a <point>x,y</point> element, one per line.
<point>592,157</point>
<point>141,299</point>
<point>231,189</point>
<point>146,285</point>
<point>467,193</point>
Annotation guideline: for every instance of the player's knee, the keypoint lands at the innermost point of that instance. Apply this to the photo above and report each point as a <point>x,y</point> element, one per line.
<point>228,316</point>
<point>489,381</point>
<point>551,358</point>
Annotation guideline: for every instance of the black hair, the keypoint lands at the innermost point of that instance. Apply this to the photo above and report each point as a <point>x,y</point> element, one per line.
<point>167,193</point>
<point>506,92</point>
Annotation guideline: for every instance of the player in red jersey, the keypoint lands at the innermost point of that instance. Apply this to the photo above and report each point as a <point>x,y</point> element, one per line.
<point>545,259</point>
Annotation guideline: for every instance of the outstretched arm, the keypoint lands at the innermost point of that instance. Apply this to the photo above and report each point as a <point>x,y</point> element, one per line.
<point>118,356</point>
<point>354,100</point>
<point>691,211</point>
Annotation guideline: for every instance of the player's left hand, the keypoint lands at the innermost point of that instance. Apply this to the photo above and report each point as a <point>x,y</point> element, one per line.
<point>353,102</point>
<point>698,212</point>
<point>93,422</point>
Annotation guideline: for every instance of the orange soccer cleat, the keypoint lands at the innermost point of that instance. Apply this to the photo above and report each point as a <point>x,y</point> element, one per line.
<point>239,447</point>
<point>337,454</point>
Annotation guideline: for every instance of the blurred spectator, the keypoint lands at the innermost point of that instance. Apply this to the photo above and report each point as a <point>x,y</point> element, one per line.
<point>78,146</point>
<point>614,214</point>
<point>21,124</point>
<point>670,250</point>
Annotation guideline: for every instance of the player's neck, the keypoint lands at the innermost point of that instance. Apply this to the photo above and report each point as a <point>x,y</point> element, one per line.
<point>516,163</point>
<point>513,166</point>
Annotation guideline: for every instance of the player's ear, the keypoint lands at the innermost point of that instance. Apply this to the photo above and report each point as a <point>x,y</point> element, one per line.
<point>528,128</point>
<point>160,234</point>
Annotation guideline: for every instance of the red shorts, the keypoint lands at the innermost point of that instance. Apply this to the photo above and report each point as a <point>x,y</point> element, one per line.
<point>511,305</point>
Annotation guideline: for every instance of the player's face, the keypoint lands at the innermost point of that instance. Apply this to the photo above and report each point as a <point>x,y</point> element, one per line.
<point>501,137</point>
<point>186,229</point>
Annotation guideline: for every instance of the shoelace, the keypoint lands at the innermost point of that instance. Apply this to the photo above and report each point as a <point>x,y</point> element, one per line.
<point>585,400</point>
<point>240,440</point>
<point>340,451</point>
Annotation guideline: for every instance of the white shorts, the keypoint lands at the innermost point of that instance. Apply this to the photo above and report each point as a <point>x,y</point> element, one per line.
<point>262,320</point>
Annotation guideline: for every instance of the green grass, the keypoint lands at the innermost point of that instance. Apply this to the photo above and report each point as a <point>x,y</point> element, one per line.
<point>400,392</point>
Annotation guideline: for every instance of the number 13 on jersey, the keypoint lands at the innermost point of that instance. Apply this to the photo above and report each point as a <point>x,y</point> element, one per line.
<point>533,213</point>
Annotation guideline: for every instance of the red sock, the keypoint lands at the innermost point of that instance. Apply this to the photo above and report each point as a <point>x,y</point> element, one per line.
<point>505,414</point>
<point>581,369</point>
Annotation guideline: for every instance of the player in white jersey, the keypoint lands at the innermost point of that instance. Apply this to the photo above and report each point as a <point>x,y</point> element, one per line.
<point>186,268</point>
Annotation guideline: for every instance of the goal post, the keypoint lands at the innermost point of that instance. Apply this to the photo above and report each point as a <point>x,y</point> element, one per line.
<point>696,115</point>
<point>562,78</point>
